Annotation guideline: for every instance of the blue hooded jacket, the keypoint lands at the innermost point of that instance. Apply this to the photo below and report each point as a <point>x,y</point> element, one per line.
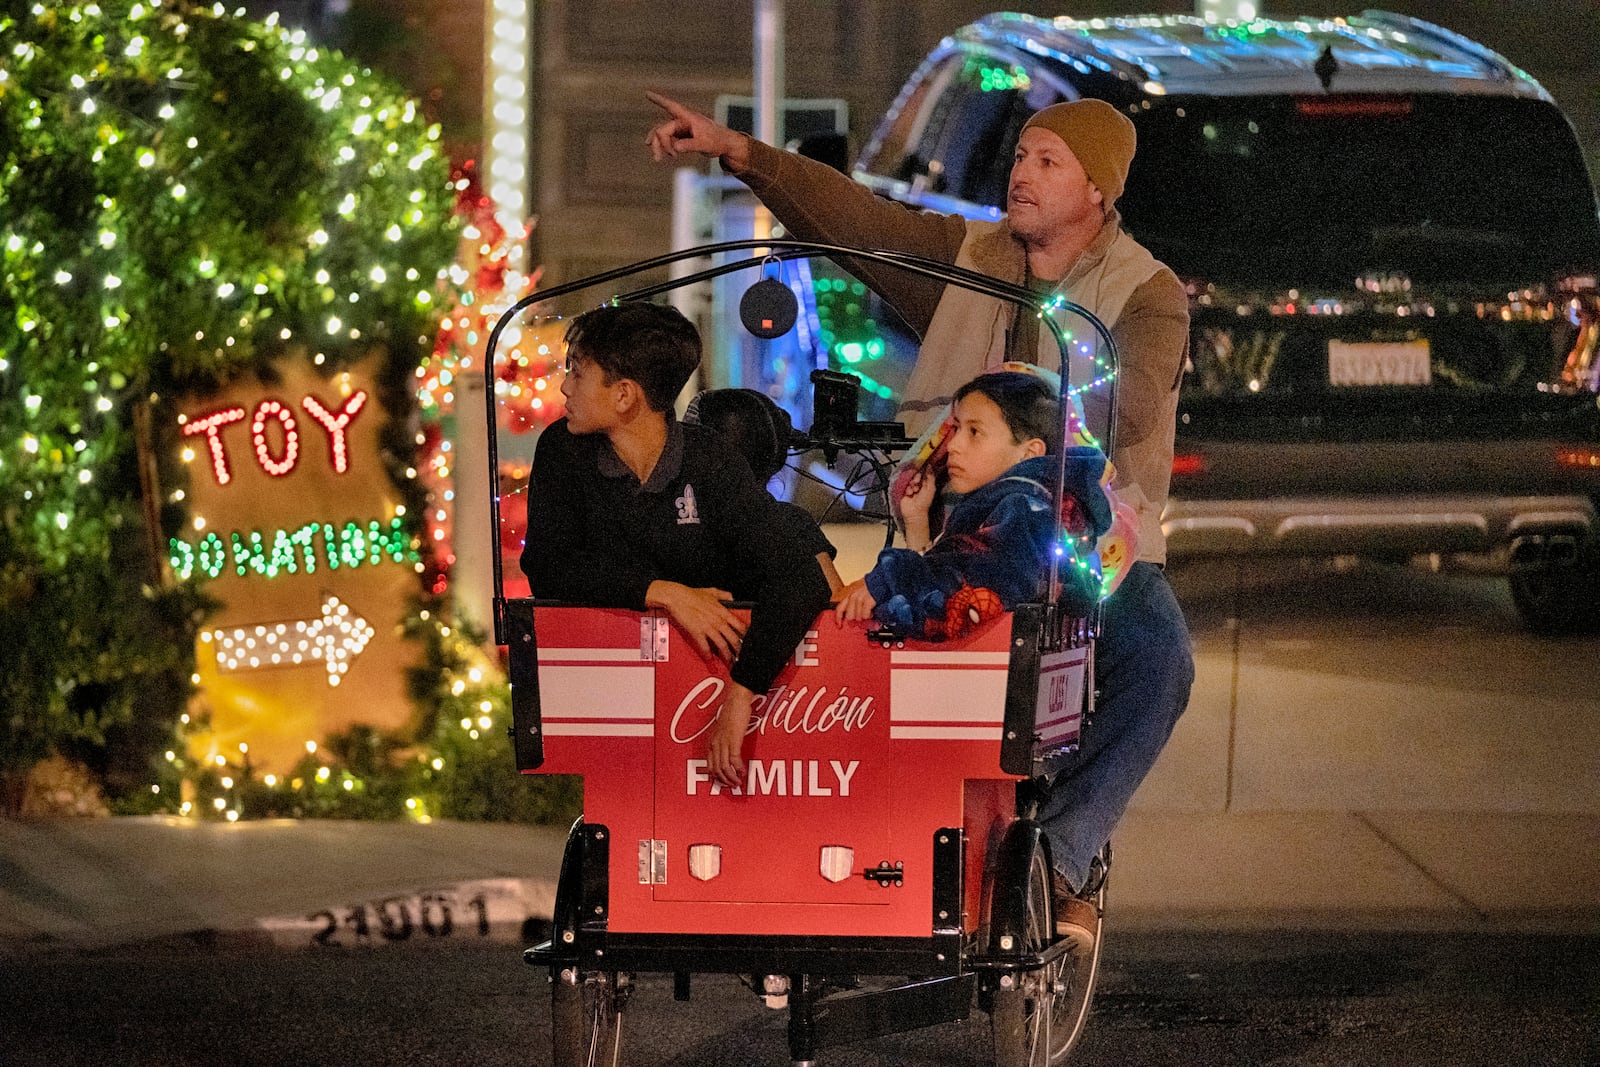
<point>998,537</point>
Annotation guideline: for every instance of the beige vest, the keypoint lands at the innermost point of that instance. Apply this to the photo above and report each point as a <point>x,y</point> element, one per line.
<point>968,336</point>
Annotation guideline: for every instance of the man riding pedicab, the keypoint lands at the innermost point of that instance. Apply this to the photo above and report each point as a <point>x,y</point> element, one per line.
<point>1061,236</point>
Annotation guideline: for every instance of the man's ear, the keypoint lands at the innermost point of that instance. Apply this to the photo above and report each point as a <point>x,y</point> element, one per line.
<point>1096,197</point>
<point>1035,446</point>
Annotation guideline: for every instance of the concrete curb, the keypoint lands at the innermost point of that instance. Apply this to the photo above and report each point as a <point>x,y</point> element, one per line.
<point>107,884</point>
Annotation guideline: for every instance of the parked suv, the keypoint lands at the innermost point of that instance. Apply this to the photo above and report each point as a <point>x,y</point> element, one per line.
<point>1390,241</point>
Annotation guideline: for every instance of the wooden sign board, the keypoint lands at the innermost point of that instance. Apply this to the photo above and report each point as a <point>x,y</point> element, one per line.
<point>298,533</point>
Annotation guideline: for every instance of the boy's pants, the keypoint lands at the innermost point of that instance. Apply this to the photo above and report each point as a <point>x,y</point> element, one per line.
<point>1144,666</point>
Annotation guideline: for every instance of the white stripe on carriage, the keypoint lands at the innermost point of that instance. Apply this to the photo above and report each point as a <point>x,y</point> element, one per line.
<point>599,729</point>
<point>945,733</point>
<point>943,696</point>
<point>570,692</point>
<point>589,711</point>
<point>590,655</point>
<point>950,659</point>
<point>912,713</point>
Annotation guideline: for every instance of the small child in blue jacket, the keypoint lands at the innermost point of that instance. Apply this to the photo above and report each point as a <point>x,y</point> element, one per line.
<point>1000,528</point>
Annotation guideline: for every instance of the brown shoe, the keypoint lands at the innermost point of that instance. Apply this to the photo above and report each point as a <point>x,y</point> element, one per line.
<point>1076,918</point>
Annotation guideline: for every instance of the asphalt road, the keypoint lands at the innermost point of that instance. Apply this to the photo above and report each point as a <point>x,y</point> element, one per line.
<point>1182,998</point>
<point>1320,688</point>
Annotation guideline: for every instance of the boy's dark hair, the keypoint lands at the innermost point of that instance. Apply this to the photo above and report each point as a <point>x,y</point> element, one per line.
<point>652,344</point>
<point>1027,403</point>
<point>751,421</point>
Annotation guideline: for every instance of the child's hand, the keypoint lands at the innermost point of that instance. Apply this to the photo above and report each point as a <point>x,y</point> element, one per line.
<point>920,492</point>
<point>723,758</point>
<point>914,508</point>
<point>701,615</point>
<point>855,604</point>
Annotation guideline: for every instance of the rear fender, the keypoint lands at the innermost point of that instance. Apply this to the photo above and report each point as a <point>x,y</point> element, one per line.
<point>582,888</point>
<point>1008,892</point>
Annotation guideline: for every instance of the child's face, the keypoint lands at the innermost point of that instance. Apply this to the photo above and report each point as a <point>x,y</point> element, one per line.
<point>591,405</point>
<point>982,447</point>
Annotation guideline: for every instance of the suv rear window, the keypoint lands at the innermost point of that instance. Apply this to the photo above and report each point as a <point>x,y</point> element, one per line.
<point>953,135</point>
<point>1323,189</point>
<point>1283,191</point>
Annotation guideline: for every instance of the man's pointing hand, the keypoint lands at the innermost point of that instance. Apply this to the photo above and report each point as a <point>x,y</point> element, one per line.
<point>686,130</point>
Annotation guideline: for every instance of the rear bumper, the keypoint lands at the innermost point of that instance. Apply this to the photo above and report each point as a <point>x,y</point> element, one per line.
<point>1523,529</point>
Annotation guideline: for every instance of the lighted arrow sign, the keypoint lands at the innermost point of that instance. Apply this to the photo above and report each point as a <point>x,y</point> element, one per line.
<point>335,639</point>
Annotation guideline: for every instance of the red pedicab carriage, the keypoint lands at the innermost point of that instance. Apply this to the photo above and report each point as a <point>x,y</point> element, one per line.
<point>884,826</point>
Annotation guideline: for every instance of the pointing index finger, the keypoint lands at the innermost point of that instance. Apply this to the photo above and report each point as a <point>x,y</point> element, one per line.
<point>667,104</point>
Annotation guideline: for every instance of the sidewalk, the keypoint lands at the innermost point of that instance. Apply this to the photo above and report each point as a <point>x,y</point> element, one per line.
<point>101,882</point>
<point>97,882</point>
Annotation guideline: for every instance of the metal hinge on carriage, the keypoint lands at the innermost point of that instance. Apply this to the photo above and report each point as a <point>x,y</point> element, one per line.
<point>652,862</point>
<point>653,631</point>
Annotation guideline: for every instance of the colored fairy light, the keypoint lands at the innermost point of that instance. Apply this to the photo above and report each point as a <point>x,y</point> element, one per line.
<point>335,424</point>
<point>210,426</point>
<point>299,551</point>
<point>275,466</point>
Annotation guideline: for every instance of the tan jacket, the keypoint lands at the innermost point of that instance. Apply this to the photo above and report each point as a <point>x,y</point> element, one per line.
<point>1141,302</point>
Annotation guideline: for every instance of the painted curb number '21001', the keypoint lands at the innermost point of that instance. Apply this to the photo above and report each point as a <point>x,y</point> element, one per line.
<point>486,908</point>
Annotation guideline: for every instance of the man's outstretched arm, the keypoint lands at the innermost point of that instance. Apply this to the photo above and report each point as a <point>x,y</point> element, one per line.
<point>817,203</point>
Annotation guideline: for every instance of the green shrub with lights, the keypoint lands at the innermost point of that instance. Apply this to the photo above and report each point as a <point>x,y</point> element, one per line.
<point>185,196</point>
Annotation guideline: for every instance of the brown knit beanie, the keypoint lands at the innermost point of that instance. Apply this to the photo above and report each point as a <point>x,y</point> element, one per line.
<point>1099,135</point>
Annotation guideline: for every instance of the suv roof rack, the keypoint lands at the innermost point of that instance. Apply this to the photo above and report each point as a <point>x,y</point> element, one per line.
<point>1376,51</point>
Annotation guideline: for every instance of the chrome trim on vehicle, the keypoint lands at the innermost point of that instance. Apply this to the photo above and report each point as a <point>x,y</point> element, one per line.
<point>1371,526</point>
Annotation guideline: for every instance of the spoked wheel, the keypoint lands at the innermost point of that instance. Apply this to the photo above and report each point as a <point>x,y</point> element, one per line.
<point>1022,1020</point>
<point>1037,1020</point>
<point>1080,968</point>
<point>586,1017</point>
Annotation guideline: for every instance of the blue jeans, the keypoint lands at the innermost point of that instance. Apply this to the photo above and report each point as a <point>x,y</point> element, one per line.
<point>1144,666</point>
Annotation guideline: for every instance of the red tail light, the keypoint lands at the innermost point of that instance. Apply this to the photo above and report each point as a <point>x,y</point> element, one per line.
<point>1188,463</point>
<point>1578,457</point>
<point>1348,107</point>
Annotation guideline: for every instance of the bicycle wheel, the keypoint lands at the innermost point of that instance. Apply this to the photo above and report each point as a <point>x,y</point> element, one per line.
<point>586,1017</point>
<point>1022,1021</point>
<point>1079,969</point>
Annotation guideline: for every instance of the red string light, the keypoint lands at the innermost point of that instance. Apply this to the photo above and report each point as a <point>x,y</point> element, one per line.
<point>291,440</point>
<point>335,424</point>
<point>211,425</point>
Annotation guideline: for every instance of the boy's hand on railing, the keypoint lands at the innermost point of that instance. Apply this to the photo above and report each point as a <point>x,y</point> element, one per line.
<point>701,615</point>
<point>914,508</point>
<point>855,604</point>
<point>723,757</point>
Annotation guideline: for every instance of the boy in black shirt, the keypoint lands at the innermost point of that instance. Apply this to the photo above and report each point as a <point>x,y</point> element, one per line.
<point>629,508</point>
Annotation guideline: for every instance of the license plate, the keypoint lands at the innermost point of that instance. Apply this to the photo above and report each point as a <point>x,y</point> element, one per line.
<point>1379,363</point>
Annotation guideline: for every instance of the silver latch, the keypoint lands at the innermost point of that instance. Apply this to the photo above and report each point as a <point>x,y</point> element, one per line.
<point>652,862</point>
<point>653,638</point>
